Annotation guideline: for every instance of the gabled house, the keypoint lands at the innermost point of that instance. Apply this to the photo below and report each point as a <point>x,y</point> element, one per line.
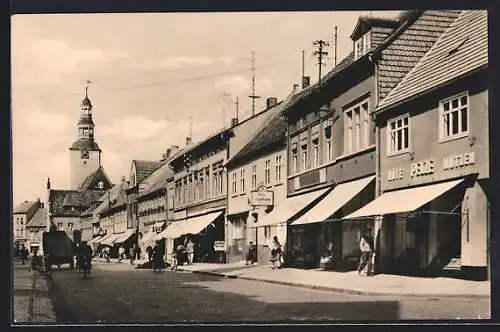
<point>332,159</point>
<point>21,216</point>
<point>433,156</point>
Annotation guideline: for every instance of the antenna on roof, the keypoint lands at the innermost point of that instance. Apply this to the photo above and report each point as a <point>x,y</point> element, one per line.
<point>335,48</point>
<point>191,127</point>
<point>253,96</point>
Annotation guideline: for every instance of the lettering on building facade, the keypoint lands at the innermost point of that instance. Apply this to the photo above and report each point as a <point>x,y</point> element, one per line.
<point>261,197</point>
<point>459,160</point>
<point>424,167</point>
<point>395,174</point>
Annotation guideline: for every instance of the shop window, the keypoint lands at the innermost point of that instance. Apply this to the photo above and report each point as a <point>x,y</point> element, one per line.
<point>254,176</point>
<point>278,168</point>
<point>398,134</point>
<point>242,181</point>
<point>356,127</point>
<point>267,172</point>
<point>454,117</point>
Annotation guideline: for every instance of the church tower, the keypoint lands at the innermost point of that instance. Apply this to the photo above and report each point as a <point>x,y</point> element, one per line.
<point>85,155</point>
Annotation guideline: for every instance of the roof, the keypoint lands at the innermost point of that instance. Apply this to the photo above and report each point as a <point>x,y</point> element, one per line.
<point>24,207</point>
<point>92,179</point>
<point>364,22</point>
<point>114,192</point>
<point>85,120</point>
<point>272,132</point>
<point>462,48</point>
<point>39,219</point>
<point>144,168</point>
<point>85,144</point>
<point>70,203</point>
<point>117,197</point>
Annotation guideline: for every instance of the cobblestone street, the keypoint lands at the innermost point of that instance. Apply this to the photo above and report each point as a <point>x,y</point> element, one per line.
<point>117,294</point>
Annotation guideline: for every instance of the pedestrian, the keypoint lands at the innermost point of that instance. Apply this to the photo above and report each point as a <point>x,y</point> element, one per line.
<point>251,255</point>
<point>24,255</point>
<point>276,253</point>
<point>121,252</point>
<point>107,254</point>
<point>137,252</point>
<point>180,253</point>
<point>131,254</point>
<point>157,261</point>
<point>190,251</point>
<point>365,259</point>
<point>149,251</point>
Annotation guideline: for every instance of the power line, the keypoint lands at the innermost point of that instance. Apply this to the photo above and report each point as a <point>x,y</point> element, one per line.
<point>320,53</point>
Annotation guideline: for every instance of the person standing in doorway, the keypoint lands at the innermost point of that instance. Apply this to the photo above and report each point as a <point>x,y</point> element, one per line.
<point>190,251</point>
<point>365,259</point>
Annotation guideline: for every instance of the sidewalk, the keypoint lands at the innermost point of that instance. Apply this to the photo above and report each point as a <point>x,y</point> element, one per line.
<point>31,303</point>
<point>351,282</point>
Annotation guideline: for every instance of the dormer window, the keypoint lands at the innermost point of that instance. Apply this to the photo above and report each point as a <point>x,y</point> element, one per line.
<point>362,45</point>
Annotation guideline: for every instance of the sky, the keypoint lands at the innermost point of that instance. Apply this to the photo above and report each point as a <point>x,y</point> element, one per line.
<point>150,73</point>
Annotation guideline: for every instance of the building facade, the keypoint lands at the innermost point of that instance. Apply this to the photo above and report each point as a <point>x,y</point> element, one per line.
<point>256,181</point>
<point>331,135</point>
<point>434,156</point>
<point>35,228</point>
<point>21,217</point>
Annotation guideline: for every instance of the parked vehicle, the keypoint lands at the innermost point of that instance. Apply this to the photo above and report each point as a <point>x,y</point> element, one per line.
<point>58,248</point>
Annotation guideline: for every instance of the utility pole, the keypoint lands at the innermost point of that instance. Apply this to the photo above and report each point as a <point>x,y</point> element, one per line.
<point>335,48</point>
<point>253,96</point>
<point>303,55</point>
<point>237,107</point>
<point>320,53</point>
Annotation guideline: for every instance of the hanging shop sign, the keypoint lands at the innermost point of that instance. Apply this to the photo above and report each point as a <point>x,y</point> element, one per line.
<point>459,160</point>
<point>421,168</point>
<point>261,197</point>
<point>219,246</point>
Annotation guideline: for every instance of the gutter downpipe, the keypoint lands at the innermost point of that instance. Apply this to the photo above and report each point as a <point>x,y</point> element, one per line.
<point>378,220</point>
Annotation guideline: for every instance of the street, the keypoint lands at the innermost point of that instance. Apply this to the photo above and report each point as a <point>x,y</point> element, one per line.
<point>116,294</point>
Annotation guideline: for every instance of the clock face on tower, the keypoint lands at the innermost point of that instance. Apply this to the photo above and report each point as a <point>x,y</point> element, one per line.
<point>85,154</point>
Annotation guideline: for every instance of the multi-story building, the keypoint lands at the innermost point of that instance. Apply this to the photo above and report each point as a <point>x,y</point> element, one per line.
<point>35,228</point>
<point>22,215</point>
<point>331,135</point>
<point>152,203</point>
<point>257,181</point>
<point>434,159</point>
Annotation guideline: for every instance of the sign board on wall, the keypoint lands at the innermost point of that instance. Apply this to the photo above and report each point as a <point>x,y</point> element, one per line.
<point>261,197</point>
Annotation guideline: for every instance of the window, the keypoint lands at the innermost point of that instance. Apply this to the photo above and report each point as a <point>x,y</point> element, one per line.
<point>70,227</point>
<point>398,134</point>
<point>254,176</point>
<point>315,153</point>
<point>454,117</point>
<point>362,45</point>
<point>60,226</point>
<point>278,168</point>
<point>328,140</point>
<point>356,128</point>
<point>233,183</point>
<point>304,157</point>
<point>295,161</point>
<point>242,180</point>
<point>267,232</point>
<point>267,173</point>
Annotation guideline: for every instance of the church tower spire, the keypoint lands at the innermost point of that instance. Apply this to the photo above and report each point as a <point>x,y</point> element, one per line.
<point>84,152</point>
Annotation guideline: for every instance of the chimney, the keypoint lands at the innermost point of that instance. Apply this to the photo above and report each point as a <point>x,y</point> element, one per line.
<point>48,183</point>
<point>306,81</point>
<point>174,149</point>
<point>271,101</point>
<point>123,178</point>
<point>188,141</point>
<point>295,89</point>
<point>234,122</point>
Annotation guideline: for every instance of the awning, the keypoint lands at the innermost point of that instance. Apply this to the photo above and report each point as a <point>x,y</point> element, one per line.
<point>111,239</point>
<point>96,239</point>
<point>104,238</point>
<point>405,200</point>
<point>125,236</point>
<point>288,209</point>
<point>334,201</point>
<point>192,225</point>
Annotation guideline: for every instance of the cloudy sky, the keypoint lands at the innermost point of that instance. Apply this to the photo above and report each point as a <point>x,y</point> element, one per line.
<point>150,73</point>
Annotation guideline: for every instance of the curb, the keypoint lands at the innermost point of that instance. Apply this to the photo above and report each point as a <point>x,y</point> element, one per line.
<point>346,290</point>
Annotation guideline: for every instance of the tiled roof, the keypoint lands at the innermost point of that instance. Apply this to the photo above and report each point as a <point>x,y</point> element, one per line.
<point>24,207</point>
<point>71,203</point>
<point>145,168</point>
<point>404,48</point>
<point>365,22</point>
<point>89,181</point>
<point>85,143</point>
<point>114,192</point>
<point>39,219</point>
<point>272,133</point>
<point>462,48</point>
<point>117,196</point>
